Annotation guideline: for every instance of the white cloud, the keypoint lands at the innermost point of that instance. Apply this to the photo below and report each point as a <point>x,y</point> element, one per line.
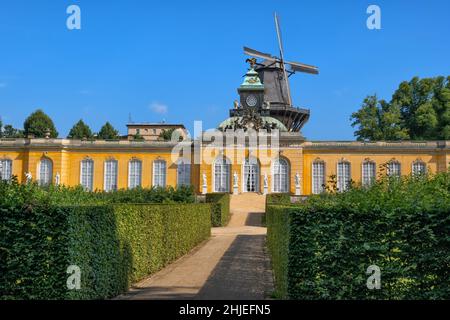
<point>159,108</point>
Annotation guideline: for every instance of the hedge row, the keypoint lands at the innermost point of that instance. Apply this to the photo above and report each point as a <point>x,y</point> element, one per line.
<point>220,208</point>
<point>278,198</point>
<point>321,249</point>
<point>114,245</point>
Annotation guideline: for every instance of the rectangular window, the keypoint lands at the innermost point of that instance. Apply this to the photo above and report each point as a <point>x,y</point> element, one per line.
<point>5,169</point>
<point>45,172</point>
<point>418,168</point>
<point>343,176</point>
<point>368,173</point>
<point>318,174</point>
<point>159,173</point>
<point>134,174</point>
<point>394,169</point>
<point>87,174</point>
<point>111,175</point>
<point>184,174</point>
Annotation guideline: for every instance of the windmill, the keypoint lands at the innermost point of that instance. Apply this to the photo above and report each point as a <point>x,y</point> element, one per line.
<point>274,74</point>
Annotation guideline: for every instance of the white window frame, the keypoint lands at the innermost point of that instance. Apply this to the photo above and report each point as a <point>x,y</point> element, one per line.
<point>344,175</point>
<point>134,173</point>
<point>159,178</point>
<point>183,172</point>
<point>314,174</point>
<point>6,171</point>
<point>112,186</point>
<point>416,163</point>
<point>396,174</point>
<point>89,186</point>
<point>48,178</point>
<point>225,174</point>
<point>280,188</point>
<point>368,180</point>
<point>248,163</point>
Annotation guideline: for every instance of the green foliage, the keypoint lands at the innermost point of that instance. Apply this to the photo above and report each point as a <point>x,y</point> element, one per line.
<point>80,131</point>
<point>419,110</point>
<point>108,132</point>
<point>322,248</point>
<point>220,208</point>
<point>37,125</point>
<point>166,134</point>
<point>10,132</point>
<point>278,198</point>
<point>115,245</point>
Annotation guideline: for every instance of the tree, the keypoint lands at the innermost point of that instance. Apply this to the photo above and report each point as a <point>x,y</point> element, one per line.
<point>108,132</point>
<point>166,135</point>
<point>10,132</point>
<point>38,123</point>
<point>419,109</point>
<point>1,128</point>
<point>80,131</point>
<point>378,120</point>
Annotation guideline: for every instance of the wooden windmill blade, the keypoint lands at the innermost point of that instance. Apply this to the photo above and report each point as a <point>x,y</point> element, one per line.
<point>301,67</point>
<point>258,54</point>
<point>283,66</point>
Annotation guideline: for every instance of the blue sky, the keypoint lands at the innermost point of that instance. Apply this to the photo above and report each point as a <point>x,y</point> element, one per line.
<point>182,60</point>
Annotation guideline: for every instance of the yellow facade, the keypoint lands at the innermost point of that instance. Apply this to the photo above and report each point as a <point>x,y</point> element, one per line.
<point>66,156</point>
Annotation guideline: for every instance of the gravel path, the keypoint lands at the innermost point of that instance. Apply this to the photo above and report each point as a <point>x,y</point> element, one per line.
<point>232,264</point>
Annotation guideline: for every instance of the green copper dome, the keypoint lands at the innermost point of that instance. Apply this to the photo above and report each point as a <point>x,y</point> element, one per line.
<point>251,81</point>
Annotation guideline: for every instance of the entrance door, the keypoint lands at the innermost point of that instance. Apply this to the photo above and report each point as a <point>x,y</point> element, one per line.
<point>251,176</point>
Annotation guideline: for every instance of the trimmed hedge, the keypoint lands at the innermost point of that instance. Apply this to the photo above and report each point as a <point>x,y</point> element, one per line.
<point>278,198</point>
<point>115,245</point>
<point>220,208</point>
<point>321,249</point>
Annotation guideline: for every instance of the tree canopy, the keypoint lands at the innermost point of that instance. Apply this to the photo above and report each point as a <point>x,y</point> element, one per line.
<point>419,110</point>
<point>80,131</point>
<point>108,132</point>
<point>37,125</point>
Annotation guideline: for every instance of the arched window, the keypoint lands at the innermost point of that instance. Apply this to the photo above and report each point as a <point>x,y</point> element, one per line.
<point>419,168</point>
<point>280,176</point>
<point>343,176</point>
<point>110,182</point>
<point>221,175</point>
<point>318,176</point>
<point>250,175</point>
<point>5,169</point>
<point>45,172</point>
<point>183,173</point>
<point>368,173</point>
<point>87,174</point>
<point>134,173</point>
<point>159,173</point>
<point>394,169</point>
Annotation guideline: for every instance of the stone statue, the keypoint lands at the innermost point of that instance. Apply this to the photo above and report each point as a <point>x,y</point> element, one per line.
<point>236,104</point>
<point>204,180</point>
<point>266,182</point>
<point>297,180</point>
<point>28,177</point>
<point>57,179</point>
<point>235,179</point>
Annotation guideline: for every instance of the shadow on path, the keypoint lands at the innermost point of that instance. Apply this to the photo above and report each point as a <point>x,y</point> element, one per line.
<point>243,273</point>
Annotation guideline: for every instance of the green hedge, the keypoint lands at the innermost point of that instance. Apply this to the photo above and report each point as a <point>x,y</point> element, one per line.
<point>278,198</point>
<point>220,208</point>
<point>322,248</point>
<point>114,245</point>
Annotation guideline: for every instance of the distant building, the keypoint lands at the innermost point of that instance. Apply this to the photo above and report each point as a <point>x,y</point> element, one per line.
<point>152,131</point>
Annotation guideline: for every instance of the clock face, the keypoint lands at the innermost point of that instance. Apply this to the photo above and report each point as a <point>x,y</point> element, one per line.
<point>251,100</point>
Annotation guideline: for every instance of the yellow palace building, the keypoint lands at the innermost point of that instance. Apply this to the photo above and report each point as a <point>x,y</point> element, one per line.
<point>262,150</point>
